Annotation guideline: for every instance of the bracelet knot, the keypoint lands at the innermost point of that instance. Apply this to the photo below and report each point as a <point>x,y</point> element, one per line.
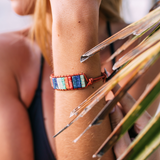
<point>91,80</point>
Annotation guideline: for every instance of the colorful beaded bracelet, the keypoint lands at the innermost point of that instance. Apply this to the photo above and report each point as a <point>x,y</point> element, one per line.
<point>74,82</point>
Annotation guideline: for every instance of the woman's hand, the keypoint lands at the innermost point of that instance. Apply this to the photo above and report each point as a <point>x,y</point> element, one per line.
<point>117,114</point>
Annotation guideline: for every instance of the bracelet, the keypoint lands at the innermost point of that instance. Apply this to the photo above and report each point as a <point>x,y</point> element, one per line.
<point>74,82</point>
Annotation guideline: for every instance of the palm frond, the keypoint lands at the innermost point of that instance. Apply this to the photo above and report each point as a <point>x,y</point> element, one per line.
<point>89,103</point>
<point>140,106</point>
<point>135,28</point>
<point>144,45</point>
<point>145,143</point>
<point>140,61</point>
<point>118,96</point>
<point>129,42</point>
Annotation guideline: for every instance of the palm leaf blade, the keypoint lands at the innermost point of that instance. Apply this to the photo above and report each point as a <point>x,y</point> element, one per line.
<point>90,102</point>
<point>140,106</point>
<point>145,143</point>
<point>128,43</point>
<point>135,28</point>
<point>118,96</point>
<point>147,43</point>
<point>103,90</point>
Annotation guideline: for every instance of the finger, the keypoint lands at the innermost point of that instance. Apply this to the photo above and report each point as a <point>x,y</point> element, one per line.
<point>127,103</point>
<point>116,116</point>
<point>142,121</point>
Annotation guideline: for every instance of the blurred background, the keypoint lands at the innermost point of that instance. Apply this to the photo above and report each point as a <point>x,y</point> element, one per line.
<point>132,10</point>
<point>9,20</point>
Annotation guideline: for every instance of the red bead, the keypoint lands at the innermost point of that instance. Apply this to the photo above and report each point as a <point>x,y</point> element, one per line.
<point>66,82</point>
<point>70,82</point>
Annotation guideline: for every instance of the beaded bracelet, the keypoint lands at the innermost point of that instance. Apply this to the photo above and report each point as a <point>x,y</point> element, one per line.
<point>74,82</point>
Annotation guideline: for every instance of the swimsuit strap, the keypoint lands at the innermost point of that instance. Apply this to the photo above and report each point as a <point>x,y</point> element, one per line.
<point>111,45</point>
<point>40,75</point>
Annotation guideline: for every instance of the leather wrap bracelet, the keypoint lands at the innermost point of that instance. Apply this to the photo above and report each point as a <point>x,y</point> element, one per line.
<point>74,82</point>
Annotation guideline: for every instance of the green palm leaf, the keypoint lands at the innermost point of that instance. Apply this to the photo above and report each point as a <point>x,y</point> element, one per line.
<point>140,106</point>
<point>145,143</point>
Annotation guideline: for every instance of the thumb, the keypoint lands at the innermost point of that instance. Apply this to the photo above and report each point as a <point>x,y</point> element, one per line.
<point>116,116</point>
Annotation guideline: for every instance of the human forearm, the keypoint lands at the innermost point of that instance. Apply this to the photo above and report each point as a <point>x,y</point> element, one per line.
<point>75,30</point>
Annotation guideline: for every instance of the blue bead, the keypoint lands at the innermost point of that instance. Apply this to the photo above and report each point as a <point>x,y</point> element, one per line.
<point>55,84</point>
<point>76,81</point>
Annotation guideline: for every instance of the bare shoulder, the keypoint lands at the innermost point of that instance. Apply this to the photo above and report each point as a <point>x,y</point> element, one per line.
<point>16,46</point>
<point>13,52</point>
<point>20,61</point>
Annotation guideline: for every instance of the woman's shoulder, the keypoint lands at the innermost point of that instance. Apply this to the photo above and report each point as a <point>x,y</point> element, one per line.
<point>15,43</point>
<point>17,47</point>
<point>20,60</point>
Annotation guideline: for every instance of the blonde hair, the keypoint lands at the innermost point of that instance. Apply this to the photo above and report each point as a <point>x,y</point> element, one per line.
<point>42,34</point>
<point>41,29</point>
<point>30,8</point>
<point>111,10</point>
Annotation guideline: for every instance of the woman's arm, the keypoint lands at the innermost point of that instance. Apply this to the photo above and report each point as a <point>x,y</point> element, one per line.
<point>75,30</point>
<point>16,141</point>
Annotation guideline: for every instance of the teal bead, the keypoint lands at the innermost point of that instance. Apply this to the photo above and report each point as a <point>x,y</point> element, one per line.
<point>83,83</point>
<point>63,83</point>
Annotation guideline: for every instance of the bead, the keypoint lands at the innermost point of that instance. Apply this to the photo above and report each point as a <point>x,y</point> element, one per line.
<point>63,83</point>
<point>66,82</point>
<point>70,82</point>
<point>83,83</point>
<point>60,85</point>
<point>55,84</point>
<point>76,81</point>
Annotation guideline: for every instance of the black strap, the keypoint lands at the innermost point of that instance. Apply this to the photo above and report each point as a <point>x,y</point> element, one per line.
<point>111,45</point>
<point>40,75</point>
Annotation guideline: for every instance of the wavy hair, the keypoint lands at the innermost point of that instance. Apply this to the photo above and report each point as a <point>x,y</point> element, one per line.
<point>41,29</point>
